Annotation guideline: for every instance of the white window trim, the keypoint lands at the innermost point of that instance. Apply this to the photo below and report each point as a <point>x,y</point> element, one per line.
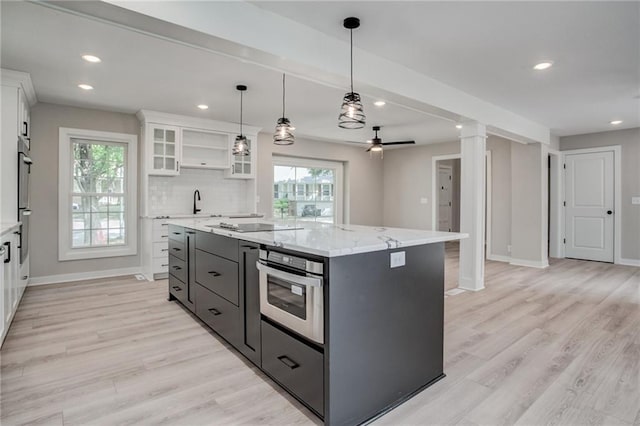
<point>65,252</point>
<point>316,164</point>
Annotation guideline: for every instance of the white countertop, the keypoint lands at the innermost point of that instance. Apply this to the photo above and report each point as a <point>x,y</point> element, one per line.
<point>8,226</point>
<point>327,240</point>
<point>202,215</point>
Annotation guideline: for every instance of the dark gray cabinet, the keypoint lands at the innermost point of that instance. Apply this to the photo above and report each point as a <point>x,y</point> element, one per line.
<point>190,262</point>
<point>218,275</point>
<point>297,366</point>
<point>219,314</point>
<point>181,265</point>
<point>249,283</point>
<point>217,244</point>
<point>177,289</point>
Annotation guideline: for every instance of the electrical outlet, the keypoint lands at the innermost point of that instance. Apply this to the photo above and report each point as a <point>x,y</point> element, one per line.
<point>424,200</point>
<point>397,259</point>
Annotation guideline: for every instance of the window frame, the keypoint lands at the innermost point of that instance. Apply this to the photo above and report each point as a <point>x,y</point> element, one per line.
<point>309,163</point>
<point>65,191</point>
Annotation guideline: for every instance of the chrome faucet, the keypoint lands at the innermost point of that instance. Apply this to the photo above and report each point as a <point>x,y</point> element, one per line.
<point>195,208</point>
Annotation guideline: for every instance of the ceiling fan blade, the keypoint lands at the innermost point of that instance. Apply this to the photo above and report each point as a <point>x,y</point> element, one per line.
<point>357,143</point>
<point>399,143</point>
<point>369,149</point>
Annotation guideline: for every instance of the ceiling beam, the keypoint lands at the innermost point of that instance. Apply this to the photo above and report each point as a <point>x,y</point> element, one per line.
<point>251,34</point>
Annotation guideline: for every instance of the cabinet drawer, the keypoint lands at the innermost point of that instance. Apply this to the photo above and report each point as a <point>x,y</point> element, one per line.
<point>160,235</point>
<point>162,224</point>
<point>160,265</point>
<point>223,317</point>
<point>217,244</point>
<point>218,275</point>
<point>176,233</point>
<point>178,268</point>
<point>177,249</point>
<point>295,365</point>
<point>177,288</point>
<point>160,249</point>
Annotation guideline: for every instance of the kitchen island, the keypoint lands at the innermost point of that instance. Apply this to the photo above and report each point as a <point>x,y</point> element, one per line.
<point>347,318</point>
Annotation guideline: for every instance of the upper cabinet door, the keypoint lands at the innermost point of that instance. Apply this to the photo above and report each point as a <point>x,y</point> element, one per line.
<point>243,166</point>
<point>165,148</point>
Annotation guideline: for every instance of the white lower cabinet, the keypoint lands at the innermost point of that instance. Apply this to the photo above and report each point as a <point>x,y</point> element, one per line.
<point>155,237</point>
<point>10,283</point>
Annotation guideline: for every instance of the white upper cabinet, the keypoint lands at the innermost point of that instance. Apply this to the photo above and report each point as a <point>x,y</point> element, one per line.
<point>173,142</point>
<point>165,149</point>
<point>243,166</point>
<point>203,149</point>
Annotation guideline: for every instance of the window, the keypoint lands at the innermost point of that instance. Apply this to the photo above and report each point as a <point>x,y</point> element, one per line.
<point>97,194</point>
<point>309,190</point>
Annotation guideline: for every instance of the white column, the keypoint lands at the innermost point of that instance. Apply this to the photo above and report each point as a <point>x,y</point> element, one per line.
<point>473,146</point>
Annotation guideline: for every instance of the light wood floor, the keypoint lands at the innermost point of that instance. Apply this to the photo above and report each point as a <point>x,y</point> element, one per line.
<point>553,346</point>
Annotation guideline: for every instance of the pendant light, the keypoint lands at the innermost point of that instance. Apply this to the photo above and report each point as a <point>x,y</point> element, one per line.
<point>284,131</point>
<point>352,113</point>
<point>240,146</point>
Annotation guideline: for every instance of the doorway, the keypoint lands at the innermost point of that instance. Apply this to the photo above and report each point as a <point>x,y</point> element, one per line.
<point>453,161</point>
<point>448,184</point>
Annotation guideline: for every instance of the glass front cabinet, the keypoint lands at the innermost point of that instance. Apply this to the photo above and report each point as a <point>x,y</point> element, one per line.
<point>165,149</point>
<point>243,166</point>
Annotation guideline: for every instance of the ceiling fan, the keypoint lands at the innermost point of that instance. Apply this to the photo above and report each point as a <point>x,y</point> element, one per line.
<point>377,144</point>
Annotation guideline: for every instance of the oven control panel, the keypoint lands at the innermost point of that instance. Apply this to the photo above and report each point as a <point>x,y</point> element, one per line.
<point>294,262</point>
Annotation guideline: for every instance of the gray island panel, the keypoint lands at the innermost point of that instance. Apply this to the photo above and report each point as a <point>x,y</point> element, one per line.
<point>384,331</point>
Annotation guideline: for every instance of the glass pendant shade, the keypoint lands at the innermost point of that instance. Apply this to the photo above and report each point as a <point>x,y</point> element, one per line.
<point>352,113</point>
<point>240,146</point>
<point>284,132</point>
<point>376,149</point>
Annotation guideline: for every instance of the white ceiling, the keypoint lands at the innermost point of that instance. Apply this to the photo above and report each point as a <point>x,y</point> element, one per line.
<point>140,71</point>
<point>487,49</point>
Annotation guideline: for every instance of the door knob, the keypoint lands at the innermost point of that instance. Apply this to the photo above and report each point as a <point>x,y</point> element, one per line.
<point>609,212</point>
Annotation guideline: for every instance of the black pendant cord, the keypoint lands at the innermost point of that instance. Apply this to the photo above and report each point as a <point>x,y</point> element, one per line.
<point>240,113</point>
<point>351,42</point>
<point>283,93</point>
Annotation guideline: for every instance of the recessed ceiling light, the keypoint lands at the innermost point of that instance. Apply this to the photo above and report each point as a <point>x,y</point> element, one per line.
<point>458,126</point>
<point>91,58</point>
<point>616,122</point>
<point>543,65</point>
<point>379,103</point>
<point>203,106</point>
<point>85,86</point>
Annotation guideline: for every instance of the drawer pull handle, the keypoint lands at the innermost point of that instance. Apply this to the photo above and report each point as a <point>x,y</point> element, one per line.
<point>164,224</point>
<point>215,274</point>
<point>177,268</point>
<point>190,232</point>
<point>214,311</point>
<point>164,250</point>
<point>164,236</point>
<point>176,249</point>
<point>176,288</point>
<point>177,233</point>
<point>288,362</point>
<point>165,264</point>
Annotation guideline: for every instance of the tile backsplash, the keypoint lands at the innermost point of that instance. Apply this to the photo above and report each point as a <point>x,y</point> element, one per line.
<point>174,195</point>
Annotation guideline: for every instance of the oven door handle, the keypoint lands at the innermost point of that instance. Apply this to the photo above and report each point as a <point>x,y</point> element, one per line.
<point>296,279</point>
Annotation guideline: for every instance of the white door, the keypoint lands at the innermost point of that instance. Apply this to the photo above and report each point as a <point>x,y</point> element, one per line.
<point>444,198</point>
<point>589,206</point>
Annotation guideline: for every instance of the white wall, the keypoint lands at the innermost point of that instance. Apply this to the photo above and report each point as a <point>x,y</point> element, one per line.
<point>629,140</point>
<point>362,175</point>
<point>408,177</point>
<point>45,121</point>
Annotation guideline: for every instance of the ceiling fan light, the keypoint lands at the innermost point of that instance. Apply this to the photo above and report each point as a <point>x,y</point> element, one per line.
<point>284,132</point>
<point>352,112</point>
<point>376,148</point>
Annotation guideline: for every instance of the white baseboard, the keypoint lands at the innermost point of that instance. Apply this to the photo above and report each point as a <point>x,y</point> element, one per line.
<point>629,262</point>
<point>530,263</point>
<point>499,258</point>
<point>470,285</point>
<point>79,276</point>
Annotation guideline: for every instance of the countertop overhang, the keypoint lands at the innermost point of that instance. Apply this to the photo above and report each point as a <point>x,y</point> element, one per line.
<point>324,239</point>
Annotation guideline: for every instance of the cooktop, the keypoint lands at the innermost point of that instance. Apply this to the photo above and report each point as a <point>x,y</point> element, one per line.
<point>253,227</point>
